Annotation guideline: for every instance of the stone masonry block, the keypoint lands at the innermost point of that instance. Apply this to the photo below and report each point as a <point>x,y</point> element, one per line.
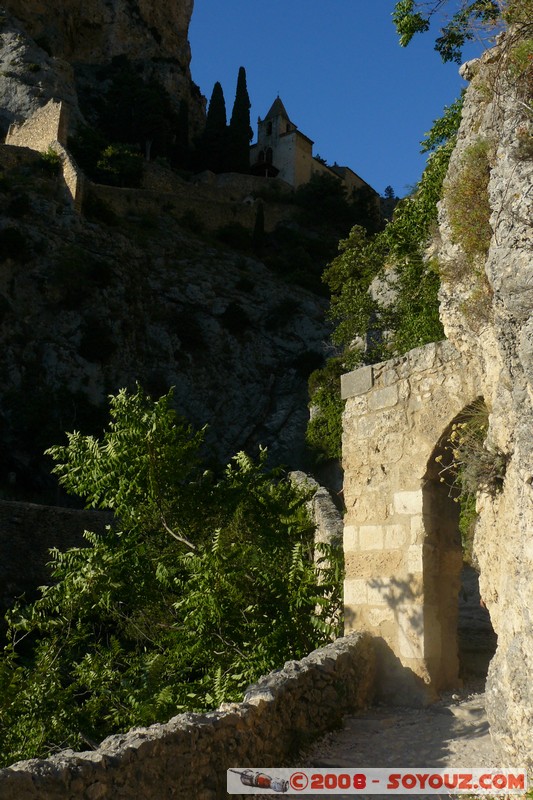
<point>418,531</point>
<point>351,538</point>
<point>371,563</point>
<point>383,398</point>
<point>371,537</point>
<point>357,382</point>
<point>415,559</point>
<point>408,502</point>
<point>368,427</point>
<point>396,537</point>
<point>411,631</point>
<point>380,592</point>
<point>355,592</point>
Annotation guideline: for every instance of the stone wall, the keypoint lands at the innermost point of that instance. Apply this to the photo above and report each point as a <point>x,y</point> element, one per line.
<point>46,129</point>
<point>195,204</point>
<point>402,549</point>
<point>188,757</point>
<point>38,132</point>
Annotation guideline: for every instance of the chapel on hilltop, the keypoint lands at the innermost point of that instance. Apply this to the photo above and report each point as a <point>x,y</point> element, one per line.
<point>284,152</point>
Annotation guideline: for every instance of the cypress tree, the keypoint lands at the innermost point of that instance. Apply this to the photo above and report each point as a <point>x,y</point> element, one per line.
<point>214,140</point>
<point>240,132</point>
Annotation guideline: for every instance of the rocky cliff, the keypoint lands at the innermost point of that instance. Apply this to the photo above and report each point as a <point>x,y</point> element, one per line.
<point>58,55</point>
<point>486,301</point>
<point>89,304</point>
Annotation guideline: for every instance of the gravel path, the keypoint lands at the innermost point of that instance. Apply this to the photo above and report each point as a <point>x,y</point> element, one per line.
<point>453,732</point>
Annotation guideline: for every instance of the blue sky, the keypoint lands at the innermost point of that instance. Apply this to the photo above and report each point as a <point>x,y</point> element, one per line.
<point>337,65</point>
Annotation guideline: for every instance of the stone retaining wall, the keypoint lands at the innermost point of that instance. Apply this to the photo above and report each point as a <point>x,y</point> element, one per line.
<point>45,130</point>
<point>46,125</point>
<point>188,756</point>
<point>197,205</point>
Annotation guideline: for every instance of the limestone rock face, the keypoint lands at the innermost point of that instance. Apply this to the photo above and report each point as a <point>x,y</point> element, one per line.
<point>52,52</point>
<point>30,76</point>
<point>486,312</point>
<point>93,31</point>
<point>88,307</point>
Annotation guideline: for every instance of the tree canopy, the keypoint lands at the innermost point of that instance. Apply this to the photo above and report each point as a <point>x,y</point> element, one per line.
<point>412,17</point>
<point>240,132</point>
<point>213,143</point>
<point>202,583</point>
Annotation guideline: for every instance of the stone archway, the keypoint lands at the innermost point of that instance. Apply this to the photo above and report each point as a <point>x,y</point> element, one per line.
<point>402,552</point>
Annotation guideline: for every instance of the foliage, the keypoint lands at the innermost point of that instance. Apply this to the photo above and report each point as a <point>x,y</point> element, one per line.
<point>236,236</point>
<point>324,431</point>
<point>469,466</point>
<point>349,277</point>
<point>202,584</point>
<point>239,132</point>
<point>518,12</point>
<point>50,162</point>
<point>411,17</point>
<point>87,146</point>
<point>368,326</point>
<point>521,67</point>
<point>468,205</point>
<point>119,165</point>
<point>213,143</point>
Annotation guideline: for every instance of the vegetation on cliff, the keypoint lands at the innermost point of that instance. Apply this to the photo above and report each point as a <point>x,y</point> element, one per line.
<point>468,21</point>
<point>204,583</point>
<point>384,287</point>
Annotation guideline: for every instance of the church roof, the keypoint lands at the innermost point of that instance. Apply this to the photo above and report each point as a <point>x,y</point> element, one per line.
<point>277,109</point>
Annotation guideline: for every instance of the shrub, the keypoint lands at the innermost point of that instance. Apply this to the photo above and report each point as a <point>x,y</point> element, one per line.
<point>97,342</point>
<point>521,67</point>
<point>19,206</point>
<point>50,162</point>
<point>76,274</point>
<point>469,466</point>
<point>202,584</point>
<point>281,313</point>
<point>98,210</point>
<point>324,431</point>
<point>120,165</point>
<point>467,201</point>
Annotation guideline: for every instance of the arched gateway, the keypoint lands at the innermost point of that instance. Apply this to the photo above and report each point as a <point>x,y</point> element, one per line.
<point>401,540</point>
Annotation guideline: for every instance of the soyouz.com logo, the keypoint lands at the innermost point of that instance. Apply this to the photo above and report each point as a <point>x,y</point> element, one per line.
<point>247,780</point>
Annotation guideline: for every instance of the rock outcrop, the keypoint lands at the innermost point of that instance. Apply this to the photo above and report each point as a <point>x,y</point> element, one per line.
<point>88,306</point>
<point>56,55</point>
<point>486,304</point>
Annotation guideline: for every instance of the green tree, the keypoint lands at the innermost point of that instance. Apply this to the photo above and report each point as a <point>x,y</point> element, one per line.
<point>240,133</point>
<point>212,150</point>
<point>412,17</point>
<point>120,165</point>
<point>200,585</point>
<point>368,329</point>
